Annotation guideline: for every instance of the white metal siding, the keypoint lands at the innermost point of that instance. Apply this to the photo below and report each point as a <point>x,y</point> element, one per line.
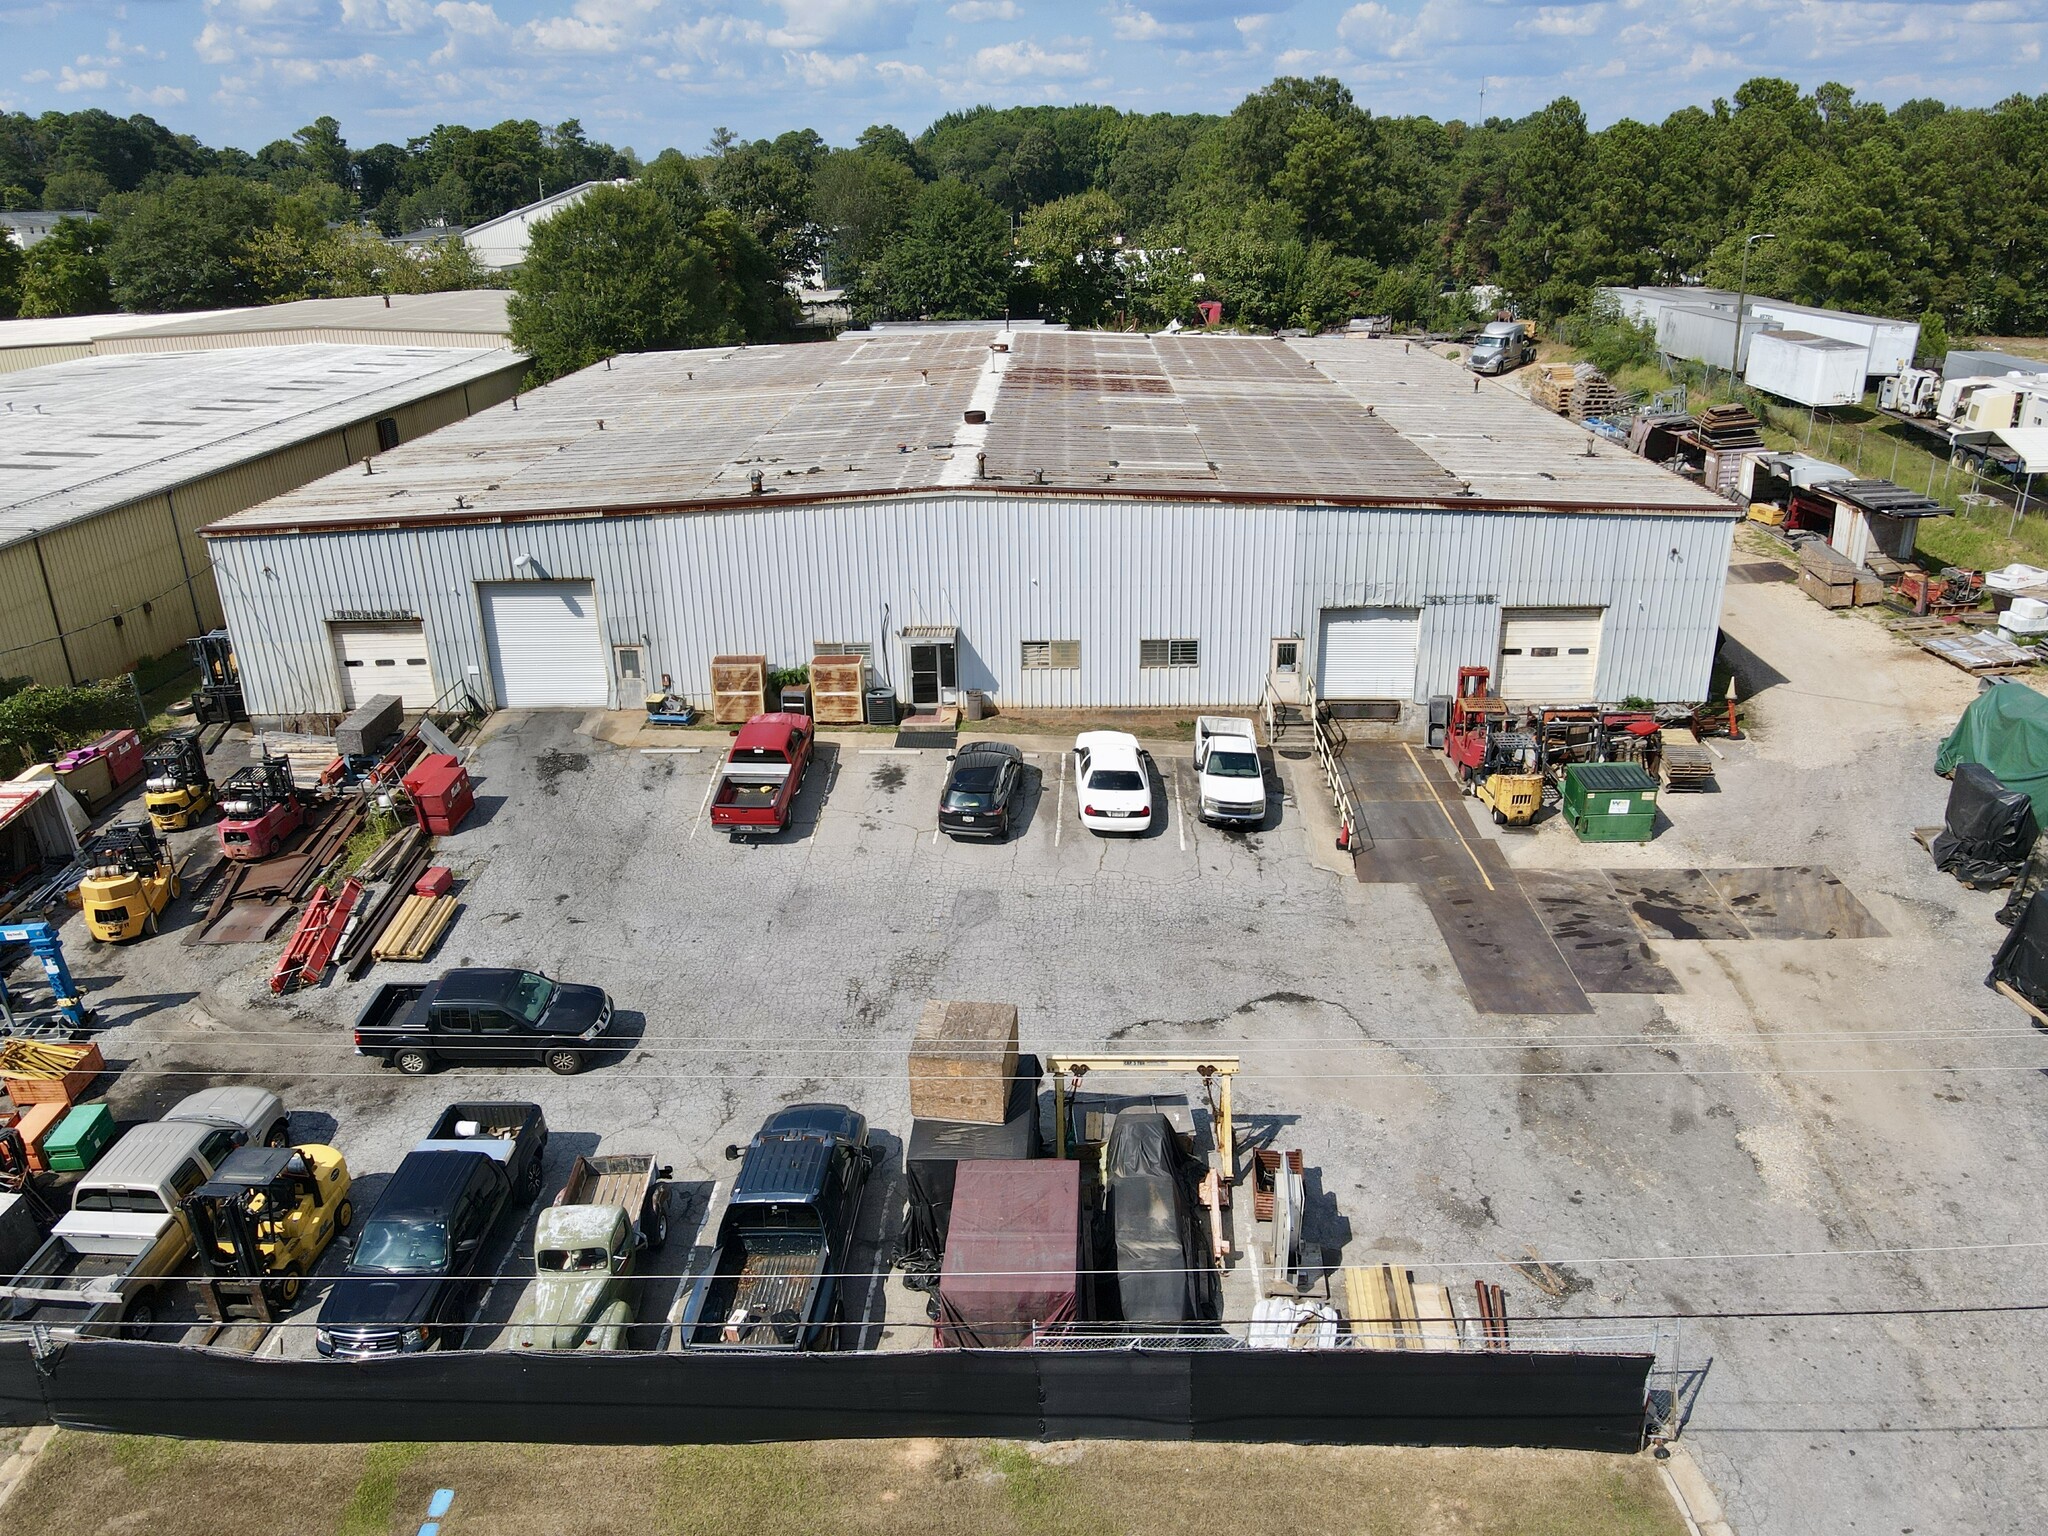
<point>544,645</point>
<point>1006,570</point>
<point>384,658</point>
<point>1369,653</point>
<point>1549,655</point>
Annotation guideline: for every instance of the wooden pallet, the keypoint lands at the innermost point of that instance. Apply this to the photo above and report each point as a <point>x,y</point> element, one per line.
<point>416,929</point>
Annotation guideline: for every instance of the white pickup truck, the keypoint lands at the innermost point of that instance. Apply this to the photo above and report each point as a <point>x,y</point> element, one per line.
<point>1228,774</point>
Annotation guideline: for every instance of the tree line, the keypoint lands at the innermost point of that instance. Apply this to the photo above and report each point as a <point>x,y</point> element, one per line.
<point>1299,207</point>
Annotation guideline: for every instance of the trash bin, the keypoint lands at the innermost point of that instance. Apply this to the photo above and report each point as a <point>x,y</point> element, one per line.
<point>881,706</point>
<point>974,706</point>
<point>1610,802</point>
<point>795,700</point>
<point>1439,720</point>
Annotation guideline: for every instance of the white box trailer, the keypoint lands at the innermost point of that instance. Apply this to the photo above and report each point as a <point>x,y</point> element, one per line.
<point>1804,368</point>
<point>1887,345</point>
<point>1706,334</point>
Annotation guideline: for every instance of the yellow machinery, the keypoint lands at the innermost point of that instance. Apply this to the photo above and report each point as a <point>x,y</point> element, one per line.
<point>1514,798</point>
<point>1214,1071</point>
<point>264,1221</point>
<point>129,880</point>
<point>176,788</point>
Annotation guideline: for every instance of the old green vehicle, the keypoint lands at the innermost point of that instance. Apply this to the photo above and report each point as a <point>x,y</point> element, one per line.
<point>586,1254</point>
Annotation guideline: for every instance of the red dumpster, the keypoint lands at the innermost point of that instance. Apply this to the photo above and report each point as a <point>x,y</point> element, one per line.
<point>441,793</point>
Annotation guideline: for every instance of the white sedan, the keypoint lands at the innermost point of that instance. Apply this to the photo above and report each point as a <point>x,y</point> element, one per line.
<point>1115,791</point>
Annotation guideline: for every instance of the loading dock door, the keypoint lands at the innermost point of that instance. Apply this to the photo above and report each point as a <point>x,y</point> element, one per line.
<point>384,658</point>
<point>544,645</point>
<point>1368,653</point>
<point>1549,655</point>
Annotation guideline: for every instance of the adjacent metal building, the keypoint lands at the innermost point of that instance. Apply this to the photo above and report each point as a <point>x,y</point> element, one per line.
<point>1060,520</point>
<point>109,466</point>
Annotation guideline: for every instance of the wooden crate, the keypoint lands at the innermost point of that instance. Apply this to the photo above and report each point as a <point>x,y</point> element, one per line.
<point>838,689</point>
<point>739,688</point>
<point>1827,593</point>
<point>962,1060</point>
<point>55,1087</point>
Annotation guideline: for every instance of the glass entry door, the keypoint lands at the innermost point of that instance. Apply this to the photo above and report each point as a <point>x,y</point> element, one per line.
<point>931,672</point>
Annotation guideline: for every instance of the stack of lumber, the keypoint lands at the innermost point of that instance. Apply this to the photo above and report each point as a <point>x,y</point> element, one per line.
<point>1592,394</point>
<point>416,929</point>
<point>1729,427</point>
<point>1550,386</point>
<point>962,1060</point>
<point>1388,1310</point>
<point>1686,764</point>
<point>394,867</point>
<point>1833,580</point>
<point>41,1072</point>
<point>309,755</point>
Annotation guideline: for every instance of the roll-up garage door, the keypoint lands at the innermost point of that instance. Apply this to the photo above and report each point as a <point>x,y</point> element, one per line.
<point>545,649</point>
<point>1369,653</point>
<point>384,658</point>
<point>1549,655</point>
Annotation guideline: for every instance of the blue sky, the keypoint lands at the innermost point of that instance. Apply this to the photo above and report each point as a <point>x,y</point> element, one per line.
<point>650,73</point>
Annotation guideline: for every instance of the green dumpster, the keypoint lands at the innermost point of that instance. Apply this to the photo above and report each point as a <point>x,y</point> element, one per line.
<point>1610,802</point>
<point>77,1141</point>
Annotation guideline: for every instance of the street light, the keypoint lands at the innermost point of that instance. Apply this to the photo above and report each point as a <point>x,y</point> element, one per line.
<point>1741,298</point>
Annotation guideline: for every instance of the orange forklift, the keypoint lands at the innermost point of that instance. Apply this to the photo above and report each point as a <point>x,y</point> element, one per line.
<point>1503,768</point>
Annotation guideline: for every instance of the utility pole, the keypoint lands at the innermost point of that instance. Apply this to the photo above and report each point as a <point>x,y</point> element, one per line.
<point>1749,244</point>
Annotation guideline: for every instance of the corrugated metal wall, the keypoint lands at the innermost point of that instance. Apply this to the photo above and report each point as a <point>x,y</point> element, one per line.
<point>15,359</point>
<point>1005,570</point>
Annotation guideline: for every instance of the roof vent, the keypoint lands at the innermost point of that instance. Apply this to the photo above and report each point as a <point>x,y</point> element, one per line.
<point>754,480</point>
<point>976,418</point>
<point>1000,346</point>
<point>980,466</point>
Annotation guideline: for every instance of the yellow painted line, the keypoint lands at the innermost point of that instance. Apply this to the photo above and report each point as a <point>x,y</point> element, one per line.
<point>1456,830</point>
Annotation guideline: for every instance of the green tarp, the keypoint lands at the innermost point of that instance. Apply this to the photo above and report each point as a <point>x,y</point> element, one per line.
<point>2006,729</point>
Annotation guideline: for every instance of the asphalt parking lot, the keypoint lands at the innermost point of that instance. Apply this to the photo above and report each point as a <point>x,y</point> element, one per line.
<point>1810,1128</point>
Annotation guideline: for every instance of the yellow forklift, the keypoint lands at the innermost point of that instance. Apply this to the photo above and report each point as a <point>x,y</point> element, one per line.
<point>129,881</point>
<point>262,1223</point>
<point>176,788</point>
<point>1509,782</point>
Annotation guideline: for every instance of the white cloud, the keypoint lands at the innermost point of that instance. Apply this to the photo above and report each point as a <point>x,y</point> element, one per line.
<point>972,11</point>
<point>157,96</point>
<point>70,79</point>
<point>403,17</point>
<point>1128,24</point>
<point>1563,21</point>
<point>848,23</point>
<point>1025,60</point>
<point>823,69</point>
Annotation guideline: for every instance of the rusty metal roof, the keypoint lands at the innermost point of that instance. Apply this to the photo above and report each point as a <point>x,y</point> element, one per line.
<point>981,408</point>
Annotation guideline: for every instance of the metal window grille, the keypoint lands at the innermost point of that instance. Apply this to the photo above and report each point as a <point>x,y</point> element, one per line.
<point>1049,655</point>
<point>1154,654</point>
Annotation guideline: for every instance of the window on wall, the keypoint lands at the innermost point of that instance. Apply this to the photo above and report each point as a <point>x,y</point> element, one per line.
<point>632,664</point>
<point>1051,655</point>
<point>1158,654</point>
<point>387,433</point>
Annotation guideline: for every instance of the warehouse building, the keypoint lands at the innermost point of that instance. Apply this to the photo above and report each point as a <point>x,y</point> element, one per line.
<point>1058,520</point>
<point>110,466</point>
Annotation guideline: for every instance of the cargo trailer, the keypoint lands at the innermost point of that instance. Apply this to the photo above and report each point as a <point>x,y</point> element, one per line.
<point>1805,368</point>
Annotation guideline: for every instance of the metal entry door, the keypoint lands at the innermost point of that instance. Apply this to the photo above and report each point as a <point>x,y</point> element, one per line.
<point>932,672</point>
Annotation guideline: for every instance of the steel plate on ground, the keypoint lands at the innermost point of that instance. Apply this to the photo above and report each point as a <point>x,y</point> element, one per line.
<point>247,922</point>
<point>1803,901</point>
<point>1676,904</point>
<point>1594,932</point>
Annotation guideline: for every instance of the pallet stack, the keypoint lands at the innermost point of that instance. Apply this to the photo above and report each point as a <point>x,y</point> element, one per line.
<point>1550,386</point>
<point>1685,763</point>
<point>1592,394</point>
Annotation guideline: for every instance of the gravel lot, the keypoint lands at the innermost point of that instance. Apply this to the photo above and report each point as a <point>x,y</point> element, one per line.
<point>1821,1098</point>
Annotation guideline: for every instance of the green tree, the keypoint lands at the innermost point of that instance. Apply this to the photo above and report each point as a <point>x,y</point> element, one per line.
<point>77,190</point>
<point>860,199</point>
<point>1072,246</point>
<point>640,268</point>
<point>65,273</point>
<point>184,247</point>
<point>326,152</point>
<point>770,191</point>
<point>952,261</point>
<point>10,278</point>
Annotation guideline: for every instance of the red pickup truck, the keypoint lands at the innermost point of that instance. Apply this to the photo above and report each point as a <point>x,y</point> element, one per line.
<point>763,773</point>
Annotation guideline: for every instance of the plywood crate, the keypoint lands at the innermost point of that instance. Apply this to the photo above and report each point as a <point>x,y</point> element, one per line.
<point>838,689</point>
<point>1827,593</point>
<point>739,688</point>
<point>962,1060</point>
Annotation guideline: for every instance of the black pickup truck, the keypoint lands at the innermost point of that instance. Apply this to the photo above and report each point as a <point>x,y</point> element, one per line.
<point>411,1272</point>
<point>777,1276</point>
<point>483,1017</point>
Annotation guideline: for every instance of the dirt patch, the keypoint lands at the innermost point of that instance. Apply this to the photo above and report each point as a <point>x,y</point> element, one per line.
<point>549,767</point>
<point>85,1485</point>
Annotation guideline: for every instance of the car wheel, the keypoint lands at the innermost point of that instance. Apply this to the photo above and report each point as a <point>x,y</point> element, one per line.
<point>343,1215</point>
<point>534,1176</point>
<point>657,1229</point>
<point>413,1063</point>
<point>270,849</point>
<point>564,1063</point>
<point>137,1322</point>
<point>284,1291</point>
<point>280,1135</point>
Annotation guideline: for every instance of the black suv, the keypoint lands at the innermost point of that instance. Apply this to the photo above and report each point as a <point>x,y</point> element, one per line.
<point>981,790</point>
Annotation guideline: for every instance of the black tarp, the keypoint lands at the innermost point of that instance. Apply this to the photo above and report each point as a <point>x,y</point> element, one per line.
<point>1988,830</point>
<point>2022,960</point>
<point>1013,1257</point>
<point>936,1147</point>
<point>1591,1402</point>
<point>1163,1266</point>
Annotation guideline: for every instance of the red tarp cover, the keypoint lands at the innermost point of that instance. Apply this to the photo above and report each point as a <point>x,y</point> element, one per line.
<point>1012,1254</point>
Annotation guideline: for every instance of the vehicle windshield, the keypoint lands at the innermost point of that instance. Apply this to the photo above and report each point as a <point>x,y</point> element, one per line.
<point>1116,778</point>
<point>572,1261</point>
<point>1235,765</point>
<point>531,996</point>
<point>1488,344</point>
<point>397,1247</point>
<point>973,789</point>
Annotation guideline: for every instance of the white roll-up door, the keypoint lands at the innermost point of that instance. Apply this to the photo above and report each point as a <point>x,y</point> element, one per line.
<point>1369,653</point>
<point>384,658</point>
<point>545,649</point>
<point>1549,655</point>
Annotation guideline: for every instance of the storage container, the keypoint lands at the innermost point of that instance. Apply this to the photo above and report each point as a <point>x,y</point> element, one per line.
<point>441,793</point>
<point>79,1138</point>
<point>1806,369</point>
<point>1610,802</point>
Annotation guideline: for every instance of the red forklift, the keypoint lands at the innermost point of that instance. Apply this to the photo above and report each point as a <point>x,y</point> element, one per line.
<point>1475,716</point>
<point>260,808</point>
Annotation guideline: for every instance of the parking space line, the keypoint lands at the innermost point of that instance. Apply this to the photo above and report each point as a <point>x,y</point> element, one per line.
<point>1059,810</point>
<point>891,751</point>
<point>666,751</point>
<point>1180,821</point>
<point>704,810</point>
